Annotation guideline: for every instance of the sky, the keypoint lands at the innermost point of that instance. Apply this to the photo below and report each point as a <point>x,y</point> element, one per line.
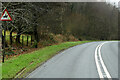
<point>113,1</point>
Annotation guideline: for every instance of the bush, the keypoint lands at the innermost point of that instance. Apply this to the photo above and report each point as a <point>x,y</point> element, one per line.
<point>35,45</point>
<point>59,38</point>
<point>72,38</point>
<point>51,39</point>
<point>10,53</point>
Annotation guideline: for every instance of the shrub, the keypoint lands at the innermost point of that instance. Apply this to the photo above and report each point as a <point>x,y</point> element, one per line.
<point>35,45</point>
<point>10,53</point>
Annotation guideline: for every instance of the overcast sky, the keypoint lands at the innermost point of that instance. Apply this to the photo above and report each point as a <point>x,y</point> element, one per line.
<point>113,1</point>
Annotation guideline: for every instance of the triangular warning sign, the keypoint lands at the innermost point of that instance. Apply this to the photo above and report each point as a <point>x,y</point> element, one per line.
<point>5,16</point>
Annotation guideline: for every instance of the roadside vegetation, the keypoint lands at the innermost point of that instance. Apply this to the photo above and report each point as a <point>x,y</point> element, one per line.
<point>36,25</point>
<point>21,65</point>
<point>39,30</point>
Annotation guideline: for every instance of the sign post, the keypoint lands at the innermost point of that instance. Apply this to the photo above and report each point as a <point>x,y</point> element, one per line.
<point>4,45</point>
<point>5,17</point>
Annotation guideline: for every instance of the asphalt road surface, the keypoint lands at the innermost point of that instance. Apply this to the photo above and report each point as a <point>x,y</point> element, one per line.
<point>89,60</point>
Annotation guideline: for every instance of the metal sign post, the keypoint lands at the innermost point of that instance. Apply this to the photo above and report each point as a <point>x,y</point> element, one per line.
<point>4,45</point>
<point>5,17</point>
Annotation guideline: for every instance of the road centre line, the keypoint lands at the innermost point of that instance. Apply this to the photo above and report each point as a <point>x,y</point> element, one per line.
<point>100,62</point>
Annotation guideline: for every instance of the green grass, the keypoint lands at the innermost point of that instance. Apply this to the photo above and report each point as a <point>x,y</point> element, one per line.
<point>30,61</point>
<point>0,71</point>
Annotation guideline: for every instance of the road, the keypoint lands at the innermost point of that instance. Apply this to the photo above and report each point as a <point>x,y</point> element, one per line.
<point>89,60</point>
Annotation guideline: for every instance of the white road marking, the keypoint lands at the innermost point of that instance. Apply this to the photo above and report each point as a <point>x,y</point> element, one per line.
<point>98,54</point>
<point>102,62</point>
<point>97,64</point>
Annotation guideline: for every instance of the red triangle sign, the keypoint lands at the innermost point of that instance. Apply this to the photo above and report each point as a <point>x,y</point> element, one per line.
<point>5,16</point>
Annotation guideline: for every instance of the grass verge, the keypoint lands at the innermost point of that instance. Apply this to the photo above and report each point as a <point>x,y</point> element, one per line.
<point>28,62</point>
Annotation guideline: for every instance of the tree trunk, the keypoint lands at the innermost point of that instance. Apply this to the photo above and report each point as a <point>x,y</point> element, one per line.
<point>18,37</point>
<point>27,40</point>
<point>36,34</point>
<point>22,41</point>
<point>2,41</point>
<point>11,41</point>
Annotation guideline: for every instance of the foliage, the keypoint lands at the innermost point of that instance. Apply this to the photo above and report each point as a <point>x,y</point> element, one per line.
<point>77,19</point>
<point>35,45</point>
<point>30,61</point>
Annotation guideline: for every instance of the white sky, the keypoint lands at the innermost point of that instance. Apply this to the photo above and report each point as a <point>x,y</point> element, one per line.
<point>113,1</point>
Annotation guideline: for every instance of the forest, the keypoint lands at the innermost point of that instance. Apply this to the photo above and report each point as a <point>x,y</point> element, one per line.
<point>41,24</point>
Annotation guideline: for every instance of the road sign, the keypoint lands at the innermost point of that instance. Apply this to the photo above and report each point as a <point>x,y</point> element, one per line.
<point>5,16</point>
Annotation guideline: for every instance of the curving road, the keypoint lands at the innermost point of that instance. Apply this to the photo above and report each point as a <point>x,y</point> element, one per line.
<point>89,60</point>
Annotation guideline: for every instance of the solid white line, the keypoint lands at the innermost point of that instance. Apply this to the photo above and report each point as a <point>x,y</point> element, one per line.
<point>97,51</point>
<point>102,62</point>
<point>97,64</point>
